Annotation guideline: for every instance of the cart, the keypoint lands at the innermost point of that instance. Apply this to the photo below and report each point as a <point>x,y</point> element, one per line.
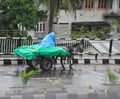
<point>42,54</point>
<point>46,63</point>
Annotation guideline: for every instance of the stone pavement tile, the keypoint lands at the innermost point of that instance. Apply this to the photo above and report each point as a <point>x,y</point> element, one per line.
<point>83,96</point>
<point>5,97</point>
<point>118,94</point>
<point>39,96</point>
<point>102,96</point>
<point>113,95</point>
<point>16,97</point>
<point>72,96</point>
<point>92,96</point>
<point>28,96</point>
<point>61,96</point>
<point>50,96</point>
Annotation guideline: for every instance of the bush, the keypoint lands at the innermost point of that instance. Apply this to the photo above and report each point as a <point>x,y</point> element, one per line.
<point>84,32</point>
<point>112,77</point>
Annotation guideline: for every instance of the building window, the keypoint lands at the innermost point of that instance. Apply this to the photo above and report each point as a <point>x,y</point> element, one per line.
<point>118,28</point>
<point>119,3</point>
<point>81,4</point>
<point>102,3</point>
<point>111,2</point>
<point>62,6</point>
<point>89,4</point>
<point>40,27</point>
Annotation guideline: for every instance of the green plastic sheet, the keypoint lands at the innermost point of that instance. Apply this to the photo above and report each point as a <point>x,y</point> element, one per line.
<point>33,51</point>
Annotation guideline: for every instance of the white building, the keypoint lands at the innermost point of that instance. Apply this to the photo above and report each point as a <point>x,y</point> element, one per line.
<point>94,14</point>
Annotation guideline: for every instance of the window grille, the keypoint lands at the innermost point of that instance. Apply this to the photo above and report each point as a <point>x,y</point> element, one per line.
<point>102,3</point>
<point>89,4</point>
<point>40,27</point>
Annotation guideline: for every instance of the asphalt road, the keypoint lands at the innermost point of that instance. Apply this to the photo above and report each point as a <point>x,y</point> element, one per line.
<point>83,82</point>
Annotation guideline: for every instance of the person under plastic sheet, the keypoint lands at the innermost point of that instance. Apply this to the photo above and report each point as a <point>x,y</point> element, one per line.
<point>48,41</point>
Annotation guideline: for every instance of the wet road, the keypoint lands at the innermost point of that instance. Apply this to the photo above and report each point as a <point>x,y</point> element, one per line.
<point>83,81</point>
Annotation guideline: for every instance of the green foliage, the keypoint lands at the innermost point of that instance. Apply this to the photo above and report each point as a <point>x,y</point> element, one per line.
<point>112,77</point>
<point>81,32</point>
<point>115,20</point>
<point>27,75</point>
<point>15,33</point>
<point>84,32</point>
<point>42,15</point>
<point>103,32</point>
<point>20,34</point>
<point>22,12</point>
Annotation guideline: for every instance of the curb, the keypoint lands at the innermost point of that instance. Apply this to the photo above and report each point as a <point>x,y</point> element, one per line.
<point>12,61</point>
<point>19,61</point>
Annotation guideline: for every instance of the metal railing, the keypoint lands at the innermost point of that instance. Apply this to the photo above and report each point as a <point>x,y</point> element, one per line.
<point>7,45</point>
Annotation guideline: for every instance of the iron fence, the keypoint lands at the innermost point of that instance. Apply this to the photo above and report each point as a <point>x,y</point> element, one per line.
<point>7,45</point>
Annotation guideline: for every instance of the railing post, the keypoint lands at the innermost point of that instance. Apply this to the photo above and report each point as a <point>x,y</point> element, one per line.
<point>96,56</point>
<point>19,42</point>
<point>110,47</point>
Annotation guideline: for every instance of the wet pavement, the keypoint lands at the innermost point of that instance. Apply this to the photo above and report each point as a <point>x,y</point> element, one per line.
<point>82,80</point>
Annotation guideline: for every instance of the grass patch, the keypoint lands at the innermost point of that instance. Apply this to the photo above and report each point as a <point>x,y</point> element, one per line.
<point>112,77</point>
<point>27,75</point>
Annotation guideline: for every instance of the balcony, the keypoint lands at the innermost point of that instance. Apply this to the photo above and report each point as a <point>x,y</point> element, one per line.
<point>112,14</point>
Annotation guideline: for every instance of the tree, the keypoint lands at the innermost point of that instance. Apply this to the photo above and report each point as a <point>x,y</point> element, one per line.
<point>14,12</point>
<point>55,5</point>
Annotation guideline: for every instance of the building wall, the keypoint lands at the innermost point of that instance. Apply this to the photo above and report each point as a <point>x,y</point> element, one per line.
<point>115,5</point>
<point>115,9</point>
<point>85,15</point>
<point>65,20</point>
<point>61,30</point>
<point>62,23</point>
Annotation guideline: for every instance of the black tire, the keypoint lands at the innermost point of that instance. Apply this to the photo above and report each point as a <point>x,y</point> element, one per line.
<point>46,64</point>
<point>30,64</point>
<point>36,63</point>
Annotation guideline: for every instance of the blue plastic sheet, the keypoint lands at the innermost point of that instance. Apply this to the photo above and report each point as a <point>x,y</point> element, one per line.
<point>48,41</point>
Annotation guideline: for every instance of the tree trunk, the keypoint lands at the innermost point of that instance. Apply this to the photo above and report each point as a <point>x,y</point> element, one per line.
<point>51,16</point>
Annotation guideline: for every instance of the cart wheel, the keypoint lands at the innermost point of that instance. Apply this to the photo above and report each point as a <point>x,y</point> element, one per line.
<point>35,63</point>
<point>30,64</point>
<point>46,64</point>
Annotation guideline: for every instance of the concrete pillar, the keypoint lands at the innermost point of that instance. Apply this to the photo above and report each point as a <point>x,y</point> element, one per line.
<point>115,5</point>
